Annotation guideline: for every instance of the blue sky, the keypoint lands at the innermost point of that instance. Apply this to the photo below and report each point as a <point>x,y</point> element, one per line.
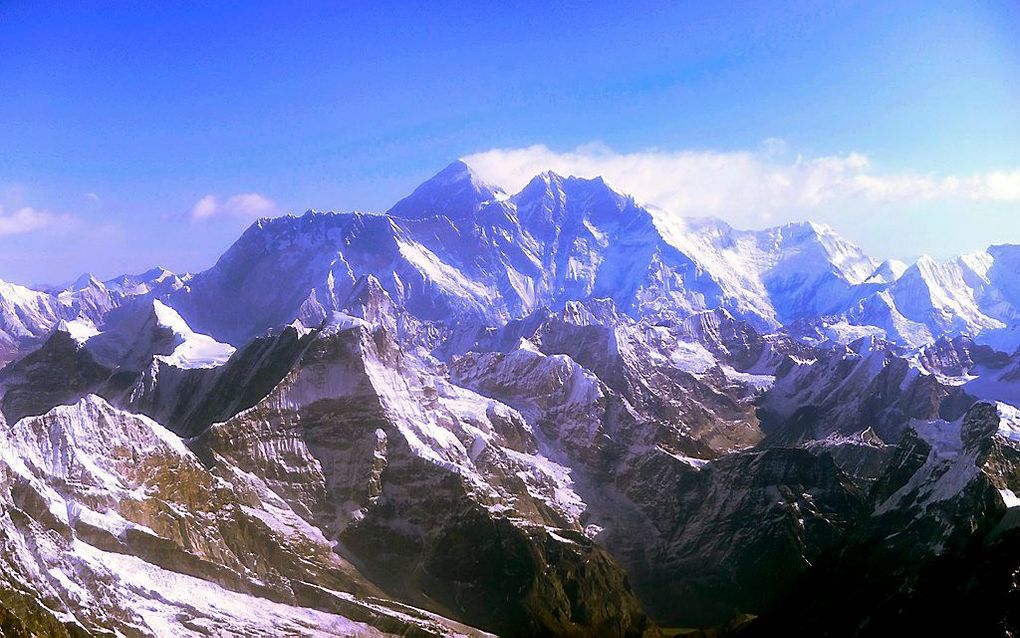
<point>142,134</point>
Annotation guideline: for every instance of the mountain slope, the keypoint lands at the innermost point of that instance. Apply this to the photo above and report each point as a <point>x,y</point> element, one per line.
<point>554,413</point>
<point>458,251</point>
<point>454,192</point>
<point>117,526</point>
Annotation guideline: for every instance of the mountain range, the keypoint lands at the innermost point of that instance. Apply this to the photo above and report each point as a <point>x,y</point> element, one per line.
<point>556,412</point>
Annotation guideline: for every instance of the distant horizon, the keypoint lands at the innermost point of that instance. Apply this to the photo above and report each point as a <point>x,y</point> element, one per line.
<point>154,134</point>
<point>105,277</point>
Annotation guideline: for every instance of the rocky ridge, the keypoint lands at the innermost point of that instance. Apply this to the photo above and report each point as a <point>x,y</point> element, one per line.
<point>556,412</point>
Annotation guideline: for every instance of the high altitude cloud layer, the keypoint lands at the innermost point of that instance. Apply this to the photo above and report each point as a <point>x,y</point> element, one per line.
<point>244,205</point>
<point>747,188</point>
<point>26,219</point>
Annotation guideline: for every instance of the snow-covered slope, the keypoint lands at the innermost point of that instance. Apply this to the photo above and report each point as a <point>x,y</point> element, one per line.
<point>459,251</point>
<point>454,192</point>
<point>543,414</point>
<point>113,522</point>
<point>149,329</point>
<point>887,272</point>
<point>27,315</point>
<point>975,295</point>
<point>784,273</point>
<point>24,314</point>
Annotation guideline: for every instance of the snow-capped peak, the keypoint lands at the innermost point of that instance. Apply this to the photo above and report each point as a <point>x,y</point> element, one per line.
<point>84,281</point>
<point>80,329</point>
<point>887,272</point>
<point>848,259</point>
<point>456,192</point>
<point>147,330</point>
<point>191,350</point>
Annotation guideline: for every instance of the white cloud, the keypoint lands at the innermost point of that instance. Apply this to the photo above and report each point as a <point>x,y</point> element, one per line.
<point>27,219</point>
<point>205,207</point>
<point>747,188</point>
<point>244,205</point>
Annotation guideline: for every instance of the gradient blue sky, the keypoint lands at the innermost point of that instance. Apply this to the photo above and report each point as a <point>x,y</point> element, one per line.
<point>141,134</point>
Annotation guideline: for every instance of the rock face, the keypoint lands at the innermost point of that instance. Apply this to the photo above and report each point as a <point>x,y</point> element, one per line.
<point>114,525</point>
<point>404,469</point>
<point>550,413</point>
<point>638,433</point>
<point>867,384</point>
<point>938,522</point>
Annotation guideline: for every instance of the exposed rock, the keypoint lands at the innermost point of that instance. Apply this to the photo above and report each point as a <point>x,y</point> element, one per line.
<point>428,487</point>
<point>112,522</point>
<point>941,517</point>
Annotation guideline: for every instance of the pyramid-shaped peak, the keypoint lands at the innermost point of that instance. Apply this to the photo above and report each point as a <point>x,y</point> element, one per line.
<point>456,171</point>
<point>86,280</point>
<point>456,192</point>
<point>155,273</point>
<point>887,272</point>
<point>365,287</point>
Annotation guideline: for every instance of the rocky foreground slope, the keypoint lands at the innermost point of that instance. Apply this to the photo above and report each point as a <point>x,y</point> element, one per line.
<point>551,413</point>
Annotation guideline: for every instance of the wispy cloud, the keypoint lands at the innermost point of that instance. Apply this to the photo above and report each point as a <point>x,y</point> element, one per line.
<point>749,188</point>
<point>244,205</point>
<point>27,219</point>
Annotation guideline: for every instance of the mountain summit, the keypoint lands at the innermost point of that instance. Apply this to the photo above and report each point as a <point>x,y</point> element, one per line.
<point>456,192</point>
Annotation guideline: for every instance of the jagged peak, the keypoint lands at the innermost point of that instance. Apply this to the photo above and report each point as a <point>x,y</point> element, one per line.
<point>313,227</point>
<point>544,187</point>
<point>591,185</point>
<point>367,283</point>
<point>368,300</point>
<point>805,231</point>
<point>553,178</point>
<point>169,318</point>
<point>289,220</point>
<point>591,198</point>
<point>158,272</point>
<point>367,289</point>
<point>925,268</point>
<point>813,226</point>
<point>141,282</point>
<point>550,177</point>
